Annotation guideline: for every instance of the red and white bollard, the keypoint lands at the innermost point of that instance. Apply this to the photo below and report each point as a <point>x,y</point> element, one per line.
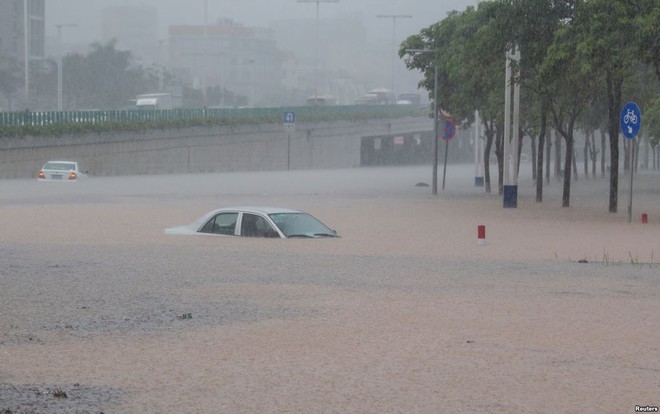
<point>481,234</point>
<point>645,218</point>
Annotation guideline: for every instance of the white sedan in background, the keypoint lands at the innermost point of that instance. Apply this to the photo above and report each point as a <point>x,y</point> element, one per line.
<point>257,222</point>
<point>60,171</point>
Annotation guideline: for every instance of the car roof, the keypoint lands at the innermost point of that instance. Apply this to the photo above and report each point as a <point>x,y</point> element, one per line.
<point>257,210</point>
<point>262,210</point>
<point>66,162</point>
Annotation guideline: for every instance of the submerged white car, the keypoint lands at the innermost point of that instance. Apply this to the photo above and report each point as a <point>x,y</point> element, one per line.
<point>60,171</point>
<point>257,222</point>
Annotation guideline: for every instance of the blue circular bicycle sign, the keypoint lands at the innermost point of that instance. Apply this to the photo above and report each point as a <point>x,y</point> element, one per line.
<point>631,120</point>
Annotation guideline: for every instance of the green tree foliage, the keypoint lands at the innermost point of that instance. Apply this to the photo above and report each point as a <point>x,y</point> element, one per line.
<point>609,45</point>
<point>576,55</point>
<point>105,78</point>
<point>649,34</point>
<point>652,120</point>
<point>569,89</point>
<point>10,80</point>
<point>43,85</point>
<point>469,61</point>
<point>531,24</point>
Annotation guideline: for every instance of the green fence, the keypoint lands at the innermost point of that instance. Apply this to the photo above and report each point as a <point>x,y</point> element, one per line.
<point>11,120</point>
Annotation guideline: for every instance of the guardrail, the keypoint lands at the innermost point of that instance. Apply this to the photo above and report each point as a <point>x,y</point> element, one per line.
<point>229,115</point>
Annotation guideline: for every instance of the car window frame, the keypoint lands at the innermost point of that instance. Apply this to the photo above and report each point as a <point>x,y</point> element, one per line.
<point>271,226</point>
<point>213,220</point>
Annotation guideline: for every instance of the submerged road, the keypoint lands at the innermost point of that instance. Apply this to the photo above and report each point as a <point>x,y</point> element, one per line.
<point>404,313</point>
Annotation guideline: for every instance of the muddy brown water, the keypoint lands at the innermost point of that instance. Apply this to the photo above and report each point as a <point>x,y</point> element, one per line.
<point>405,312</point>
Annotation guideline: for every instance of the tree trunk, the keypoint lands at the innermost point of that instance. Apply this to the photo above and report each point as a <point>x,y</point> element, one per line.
<point>499,151</point>
<point>548,152</point>
<point>520,145</point>
<point>566,196</point>
<point>533,157</point>
<point>587,144</point>
<point>488,130</point>
<point>614,105</point>
<point>594,154</point>
<point>575,169</point>
<point>539,156</point>
<point>558,157</point>
<point>603,142</point>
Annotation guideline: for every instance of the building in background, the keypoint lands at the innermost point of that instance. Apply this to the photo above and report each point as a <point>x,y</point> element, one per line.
<point>13,43</point>
<point>242,62</point>
<point>348,63</point>
<point>135,28</point>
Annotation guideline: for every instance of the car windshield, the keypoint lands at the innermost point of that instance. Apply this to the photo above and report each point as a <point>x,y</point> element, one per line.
<point>301,225</point>
<point>60,166</point>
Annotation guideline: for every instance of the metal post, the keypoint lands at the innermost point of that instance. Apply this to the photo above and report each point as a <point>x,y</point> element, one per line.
<point>288,153</point>
<point>394,17</point>
<point>478,165</point>
<point>59,67</point>
<point>516,120</point>
<point>476,144</point>
<point>632,170</point>
<point>393,94</point>
<point>435,129</point>
<point>435,116</point>
<point>510,199</point>
<point>444,168</point>
<point>507,119</point>
<point>161,72</point>
<point>26,51</point>
<point>223,80</point>
<point>206,53</point>
<point>60,100</point>
<point>254,83</point>
<point>316,59</point>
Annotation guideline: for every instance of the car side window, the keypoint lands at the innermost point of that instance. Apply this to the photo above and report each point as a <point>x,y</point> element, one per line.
<point>223,223</point>
<point>253,225</point>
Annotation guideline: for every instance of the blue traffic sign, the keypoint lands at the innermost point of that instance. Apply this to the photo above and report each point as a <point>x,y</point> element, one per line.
<point>289,121</point>
<point>631,120</point>
<point>289,117</point>
<point>450,130</point>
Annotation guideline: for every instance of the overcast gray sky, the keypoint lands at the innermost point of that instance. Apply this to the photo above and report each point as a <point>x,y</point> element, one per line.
<point>87,13</point>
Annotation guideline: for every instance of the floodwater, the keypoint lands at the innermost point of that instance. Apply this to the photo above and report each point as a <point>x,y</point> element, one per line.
<point>406,312</point>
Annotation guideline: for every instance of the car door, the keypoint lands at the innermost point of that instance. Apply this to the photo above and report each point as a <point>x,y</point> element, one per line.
<point>254,225</point>
<point>222,223</point>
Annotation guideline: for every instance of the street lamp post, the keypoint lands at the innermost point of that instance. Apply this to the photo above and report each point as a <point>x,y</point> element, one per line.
<point>161,69</point>
<point>26,50</point>
<point>316,60</point>
<point>60,101</point>
<point>511,188</point>
<point>394,17</point>
<point>435,115</point>
<point>254,82</point>
<point>206,52</point>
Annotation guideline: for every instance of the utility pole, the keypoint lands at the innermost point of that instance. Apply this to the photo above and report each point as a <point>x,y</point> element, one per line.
<point>511,188</point>
<point>394,17</point>
<point>60,100</point>
<point>205,57</point>
<point>316,59</point>
<point>26,50</point>
<point>414,52</point>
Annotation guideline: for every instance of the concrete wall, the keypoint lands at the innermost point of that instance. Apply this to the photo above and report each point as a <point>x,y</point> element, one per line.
<point>204,149</point>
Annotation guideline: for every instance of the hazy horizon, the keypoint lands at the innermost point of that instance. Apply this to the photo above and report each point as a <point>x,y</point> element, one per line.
<point>87,15</point>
